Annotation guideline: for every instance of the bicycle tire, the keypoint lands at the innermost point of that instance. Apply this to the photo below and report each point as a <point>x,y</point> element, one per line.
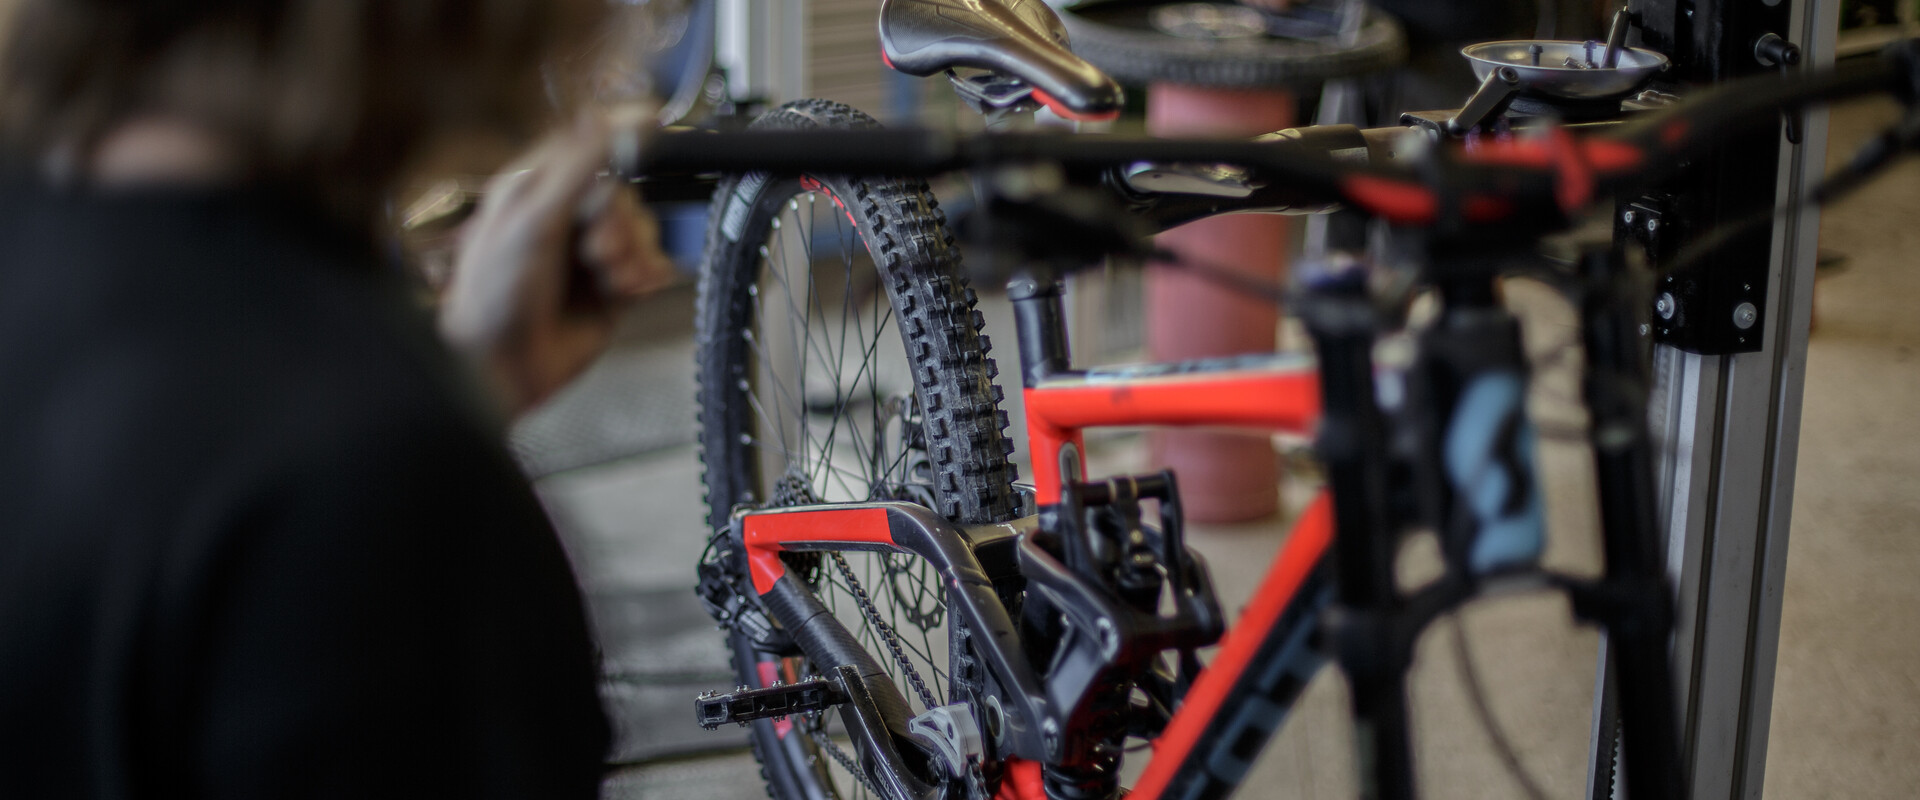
<point>953,453</point>
<point>1139,57</point>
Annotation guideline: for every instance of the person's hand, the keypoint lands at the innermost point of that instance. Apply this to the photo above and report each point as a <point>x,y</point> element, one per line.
<point>551,257</point>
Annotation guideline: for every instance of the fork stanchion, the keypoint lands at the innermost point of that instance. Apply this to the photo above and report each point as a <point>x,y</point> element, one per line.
<point>1225,477</point>
<point>1636,607</point>
<point>1365,625</point>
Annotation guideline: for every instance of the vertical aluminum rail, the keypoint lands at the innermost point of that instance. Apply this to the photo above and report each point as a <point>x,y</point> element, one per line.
<point>763,46</point>
<point>1729,427</point>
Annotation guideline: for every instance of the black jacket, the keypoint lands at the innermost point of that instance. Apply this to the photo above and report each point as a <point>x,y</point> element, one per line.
<point>255,541</point>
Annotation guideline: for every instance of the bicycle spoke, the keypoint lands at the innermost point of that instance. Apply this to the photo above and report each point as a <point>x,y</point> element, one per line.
<point>838,450</point>
<point>778,421</point>
<point>853,431</point>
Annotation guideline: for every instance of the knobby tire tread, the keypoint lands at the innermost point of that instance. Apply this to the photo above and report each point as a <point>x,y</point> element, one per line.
<point>1140,57</point>
<point>934,310</point>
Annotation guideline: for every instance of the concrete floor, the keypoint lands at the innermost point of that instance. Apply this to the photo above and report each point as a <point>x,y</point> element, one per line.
<point>1847,708</point>
<point>1846,713</point>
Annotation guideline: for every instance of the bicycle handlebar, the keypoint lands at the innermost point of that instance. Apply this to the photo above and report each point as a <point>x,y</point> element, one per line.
<point>1534,182</point>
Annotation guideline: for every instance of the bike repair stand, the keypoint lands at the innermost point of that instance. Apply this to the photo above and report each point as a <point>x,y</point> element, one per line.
<point>1728,367</point>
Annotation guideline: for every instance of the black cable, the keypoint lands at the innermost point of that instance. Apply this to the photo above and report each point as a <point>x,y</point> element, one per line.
<point>1477,694</point>
<point>1877,154</point>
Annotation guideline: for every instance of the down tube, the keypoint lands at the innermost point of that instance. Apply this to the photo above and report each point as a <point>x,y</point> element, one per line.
<point>1264,663</point>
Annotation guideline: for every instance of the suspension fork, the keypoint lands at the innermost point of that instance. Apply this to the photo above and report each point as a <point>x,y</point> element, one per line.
<point>1634,601</point>
<point>1353,446</point>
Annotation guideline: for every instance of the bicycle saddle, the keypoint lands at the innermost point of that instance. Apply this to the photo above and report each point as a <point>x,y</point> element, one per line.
<point>1023,38</point>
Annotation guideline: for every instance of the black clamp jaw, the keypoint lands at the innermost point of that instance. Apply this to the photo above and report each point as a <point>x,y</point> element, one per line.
<point>1097,574</point>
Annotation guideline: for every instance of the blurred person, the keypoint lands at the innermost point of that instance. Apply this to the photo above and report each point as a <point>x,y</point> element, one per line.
<point>258,535</point>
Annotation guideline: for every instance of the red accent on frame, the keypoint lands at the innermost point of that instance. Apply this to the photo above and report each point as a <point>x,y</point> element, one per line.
<point>1304,549</point>
<point>1607,155</point>
<point>1508,153</point>
<point>1278,400</point>
<point>1023,781</point>
<point>767,534</point>
<point>1673,133</point>
<point>1575,163</point>
<point>1044,443</point>
<point>1604,154</point>
<point>1396,201</point>
<point>1575,186</point>
<point>769,675</point>
<point>1288,401</point>
<point>1482,208</point>
<point>1077,116</point>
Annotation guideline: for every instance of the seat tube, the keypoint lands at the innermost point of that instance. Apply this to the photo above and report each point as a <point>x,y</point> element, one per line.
<point>1039,314</point>
<point>1040,320</point>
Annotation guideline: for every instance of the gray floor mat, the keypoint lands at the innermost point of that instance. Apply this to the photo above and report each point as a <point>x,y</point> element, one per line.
<point>660,650</point>
<point>636,399</point>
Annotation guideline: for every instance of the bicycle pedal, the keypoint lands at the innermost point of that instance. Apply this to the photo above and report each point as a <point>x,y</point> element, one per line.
<point>744,705</point>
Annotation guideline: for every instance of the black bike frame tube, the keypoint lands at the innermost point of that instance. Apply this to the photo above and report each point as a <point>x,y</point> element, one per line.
<point>1040,319</point>
<point>879,720</point>
<point>1639,624</point>
<point>969,593</point>
<point>1353,445</point>
<point>1260,702</point>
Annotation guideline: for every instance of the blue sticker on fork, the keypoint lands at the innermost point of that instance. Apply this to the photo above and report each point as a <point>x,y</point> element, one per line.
<point>1489,458</point>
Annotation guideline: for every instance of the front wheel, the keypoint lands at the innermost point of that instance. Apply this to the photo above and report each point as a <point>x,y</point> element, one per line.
<point>841,360</point>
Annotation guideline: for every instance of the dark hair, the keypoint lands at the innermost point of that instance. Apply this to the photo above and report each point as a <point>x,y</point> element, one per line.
<point>330,97</point>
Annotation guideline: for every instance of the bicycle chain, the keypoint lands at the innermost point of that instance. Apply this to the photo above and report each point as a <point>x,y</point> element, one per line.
<point>886,631</point>
<point>793,490</point>
<point>825,742</point>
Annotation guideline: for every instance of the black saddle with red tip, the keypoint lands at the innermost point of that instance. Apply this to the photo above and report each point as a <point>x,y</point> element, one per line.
<point>1022,38</point>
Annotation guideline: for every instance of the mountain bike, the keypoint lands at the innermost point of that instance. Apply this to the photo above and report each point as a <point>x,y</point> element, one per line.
<point>922,424</point>
<point>1020,652</point>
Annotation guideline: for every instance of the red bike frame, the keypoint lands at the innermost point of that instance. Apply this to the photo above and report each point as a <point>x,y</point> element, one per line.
<point>1282,397</point>
<point>1280,394</point>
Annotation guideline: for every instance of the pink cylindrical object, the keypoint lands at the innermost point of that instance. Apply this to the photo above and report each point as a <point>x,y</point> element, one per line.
<point>1224,477</point>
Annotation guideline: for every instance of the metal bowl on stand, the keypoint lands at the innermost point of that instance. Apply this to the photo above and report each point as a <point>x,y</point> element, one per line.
<point>1566,70</point>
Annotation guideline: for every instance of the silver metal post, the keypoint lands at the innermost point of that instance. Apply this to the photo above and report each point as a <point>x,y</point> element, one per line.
<point>763,46</point>
<point>1730,429</point>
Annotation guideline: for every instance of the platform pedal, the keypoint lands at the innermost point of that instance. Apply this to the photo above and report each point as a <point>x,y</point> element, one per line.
<point>744,705</point>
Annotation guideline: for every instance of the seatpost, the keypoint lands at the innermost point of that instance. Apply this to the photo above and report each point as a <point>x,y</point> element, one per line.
<point>1040,320</point>
<point>1636,603</point>
<point>1353,446</point>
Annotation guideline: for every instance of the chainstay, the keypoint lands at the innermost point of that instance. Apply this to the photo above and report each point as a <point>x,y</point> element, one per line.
<point>886,631</point>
